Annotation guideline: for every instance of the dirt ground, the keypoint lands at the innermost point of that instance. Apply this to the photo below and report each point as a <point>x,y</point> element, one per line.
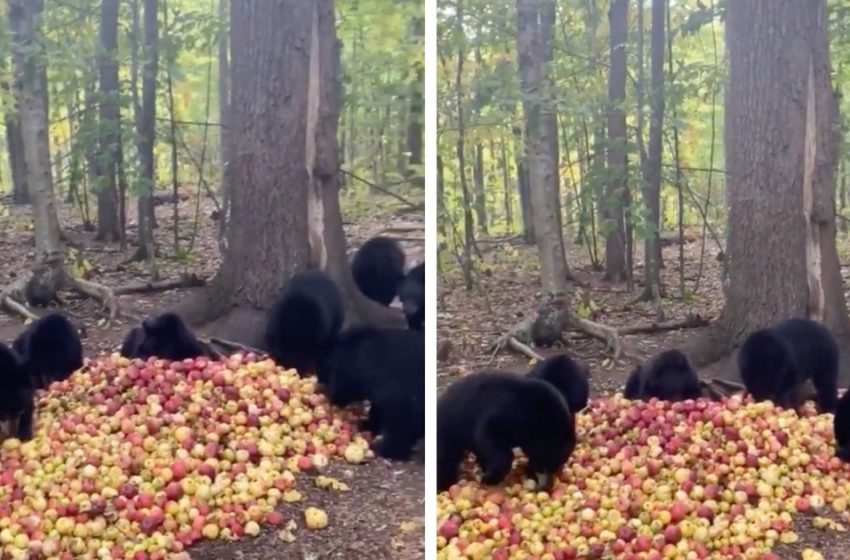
<point>506,291</point>
<point>382,516</point>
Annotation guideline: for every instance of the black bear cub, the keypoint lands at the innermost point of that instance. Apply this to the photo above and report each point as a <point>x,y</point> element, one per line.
<point>412,296</point>
<point>166,337</point>
<point>387,368</point>
<point>669,376</point>
<point>775,364</point>
<point>842,427</point>
<point>489,414</point>
<point>570,377</point>
<point>17,396</point>
<point>303,322</point>
<point>50,350</point>
<point>378,269</point>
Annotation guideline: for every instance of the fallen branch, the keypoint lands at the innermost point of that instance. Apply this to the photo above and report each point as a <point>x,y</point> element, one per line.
<point>712,392</point>
<point>689,322</point>
<point>11,297</point>
<point>411,205</point>
<point>185,281</point>
<point>104,294</point>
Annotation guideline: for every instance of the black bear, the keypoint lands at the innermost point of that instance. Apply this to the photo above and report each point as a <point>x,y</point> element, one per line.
<point>412,296</point>
<point>166,337</point>
<point>669,376</point>
<point>378,269</point>
<point>489,414</point>
<point>842,427</point>
<point>387,368</point>
<point>50,350</point>
<point>304,321</point>
<point>568,376</point>
<point>17,396</point>
<point>775,364</point>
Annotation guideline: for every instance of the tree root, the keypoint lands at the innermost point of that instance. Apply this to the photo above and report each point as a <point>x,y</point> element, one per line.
<point>231,346</point>
<point>609,335</point>
<point>524,349</point>
<point>521,332</point>
<point>184,281</point>
<point>690,322</point>
<point>14,306</point>
<point>104,294</point>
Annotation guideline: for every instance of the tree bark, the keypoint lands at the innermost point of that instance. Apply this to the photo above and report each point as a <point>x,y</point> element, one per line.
<point>780,158</point>
<point>480,191</point>
<point>284,214</point>
<point>326,235</point>
<point>413,135</point>
<point>506,185</point>
<point>652,169</point>
<point>146,127</point>
<point>523,187</point>
<point>460,150</point>
<point>107,194</point>
<point>535,19</point>
<point>17,160</point>
<point>613,206</point>
<point>29,59</point>
<point>225,144</point>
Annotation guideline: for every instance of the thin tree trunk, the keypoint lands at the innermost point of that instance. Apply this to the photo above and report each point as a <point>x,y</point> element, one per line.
<point>535,20</point>
<point>28,54</point>
<point>146,131</point>
<point>523,186</point>
<point>226,148</point>
<point>172,133</point>
<point>460,148</point>
<point>614,203</point>
<point>652,169</point>
<point>480,192</point>
<point>107,195</point>
<point>506,184</point>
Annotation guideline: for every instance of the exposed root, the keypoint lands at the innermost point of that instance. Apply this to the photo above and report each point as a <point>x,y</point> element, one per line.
<point>607,334</point>
<point>231,346</point>
<point>185,281</point>
<point>104,294</point>
<point>710,390</point>
<point>689,322</point>
<point>524,349</point>
<point>15,307</point>
<point>521,332</point>
<point>729,385</point>
<point>11,297</point>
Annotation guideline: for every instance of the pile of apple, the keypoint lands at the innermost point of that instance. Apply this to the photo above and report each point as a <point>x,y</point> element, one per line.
<point>660,480</point>
<point>139,460</point>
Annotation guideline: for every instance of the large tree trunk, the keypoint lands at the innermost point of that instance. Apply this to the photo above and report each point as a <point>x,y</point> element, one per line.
<point>652,169</point>
<point>107,193</point>
<point>269,237</point>
<point>147,133</point>
<point>535,19</point>
<point>613,207</point>
<point>29,62</point>
<point>780,158</point>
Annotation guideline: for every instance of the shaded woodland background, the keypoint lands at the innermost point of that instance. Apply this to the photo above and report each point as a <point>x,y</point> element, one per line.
<point>640,174</point>
<point>191,155</point>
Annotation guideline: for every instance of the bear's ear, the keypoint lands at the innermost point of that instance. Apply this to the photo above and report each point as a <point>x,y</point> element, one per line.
<point>147,326</point>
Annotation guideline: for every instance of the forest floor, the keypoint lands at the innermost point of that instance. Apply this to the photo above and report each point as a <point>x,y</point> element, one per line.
<point>383,514</point>
<point>506,290</point>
